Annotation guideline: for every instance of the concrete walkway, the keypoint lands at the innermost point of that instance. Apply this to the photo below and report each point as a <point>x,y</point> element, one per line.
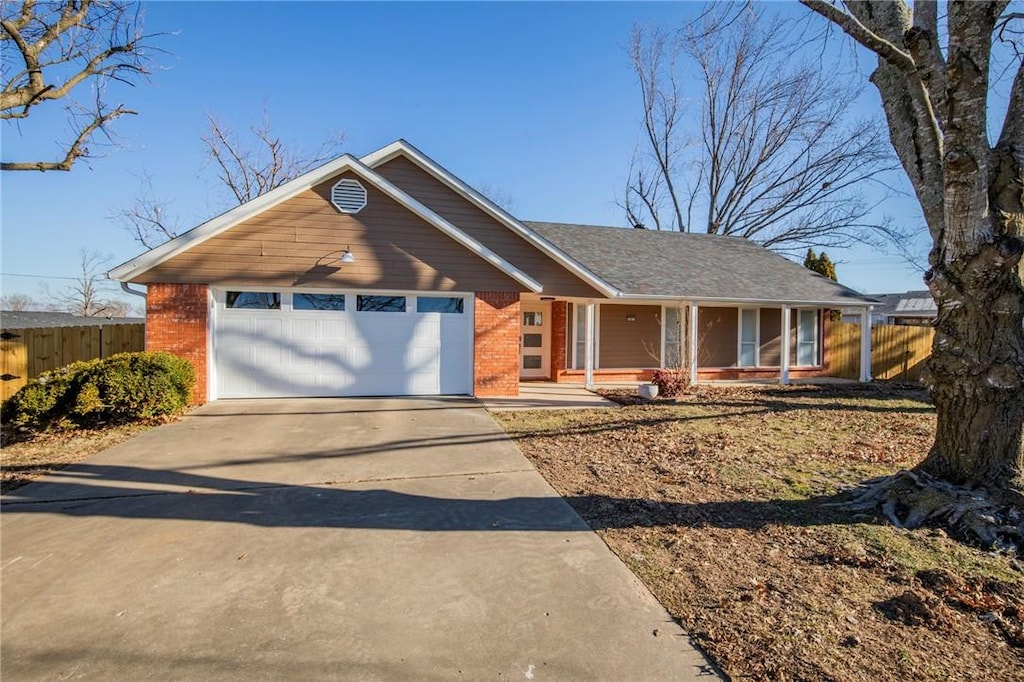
<point>371,539</point>
<point>548,395</point>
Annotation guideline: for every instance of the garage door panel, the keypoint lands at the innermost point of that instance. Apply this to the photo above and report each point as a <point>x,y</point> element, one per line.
<point>270,353</point>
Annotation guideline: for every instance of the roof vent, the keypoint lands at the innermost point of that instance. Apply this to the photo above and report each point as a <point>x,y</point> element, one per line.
<point>348,196</point>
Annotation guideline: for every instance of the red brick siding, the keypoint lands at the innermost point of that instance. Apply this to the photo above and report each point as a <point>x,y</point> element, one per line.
<point>496,343</point>
<point>559,340</point>
<point>176,321</point>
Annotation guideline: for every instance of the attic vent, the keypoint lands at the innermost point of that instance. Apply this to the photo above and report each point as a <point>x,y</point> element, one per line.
<point>348,196</point>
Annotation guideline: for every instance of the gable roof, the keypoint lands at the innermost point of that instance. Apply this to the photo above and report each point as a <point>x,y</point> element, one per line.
<point>343,163</point>
<point>697,267</point>
<point>407,150</point>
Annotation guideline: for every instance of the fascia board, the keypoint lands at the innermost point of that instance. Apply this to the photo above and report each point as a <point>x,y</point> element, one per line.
<point>444,226</point>
<point>403,148</point>
<point>225,221</point>
<point>744,301</point>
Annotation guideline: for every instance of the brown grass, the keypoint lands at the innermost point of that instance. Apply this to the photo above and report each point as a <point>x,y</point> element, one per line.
<point>25,458</point>
<point>723,504</point>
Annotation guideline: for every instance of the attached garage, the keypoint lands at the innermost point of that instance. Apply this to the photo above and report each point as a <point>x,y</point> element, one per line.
<point>271,343</point>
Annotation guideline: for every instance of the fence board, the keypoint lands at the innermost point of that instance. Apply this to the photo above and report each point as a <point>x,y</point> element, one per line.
<point>898,352</point>
<point>30,352</point>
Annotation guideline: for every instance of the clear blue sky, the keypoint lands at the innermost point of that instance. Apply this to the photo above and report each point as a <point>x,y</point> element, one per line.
<point>533,100</point>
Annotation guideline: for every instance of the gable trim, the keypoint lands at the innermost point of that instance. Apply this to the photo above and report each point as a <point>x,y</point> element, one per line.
<point>346,162</point>
<point>403,148</point>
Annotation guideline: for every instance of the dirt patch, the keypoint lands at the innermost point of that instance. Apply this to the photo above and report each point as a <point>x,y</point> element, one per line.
<point>24,458</point>
<point>724,503</point>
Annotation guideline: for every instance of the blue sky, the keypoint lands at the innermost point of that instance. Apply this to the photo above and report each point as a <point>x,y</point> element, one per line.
<point>534,100</point>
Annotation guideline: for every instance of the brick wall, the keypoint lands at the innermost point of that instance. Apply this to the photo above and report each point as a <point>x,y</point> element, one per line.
<point>176,321</point>
<point>496,343</point>
<point>559,342</point>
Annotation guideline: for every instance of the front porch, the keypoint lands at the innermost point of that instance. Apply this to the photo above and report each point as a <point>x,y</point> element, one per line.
<point>593,343</point>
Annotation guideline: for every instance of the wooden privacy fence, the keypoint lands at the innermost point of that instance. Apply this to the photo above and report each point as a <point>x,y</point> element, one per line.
<point>27,353</point>
<point>898,352</point>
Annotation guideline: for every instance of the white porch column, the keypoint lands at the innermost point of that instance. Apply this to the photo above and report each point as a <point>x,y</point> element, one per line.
<point>865,345</point>
<point>784,359</point>
<point>691,343</point>
<point>588,346</point>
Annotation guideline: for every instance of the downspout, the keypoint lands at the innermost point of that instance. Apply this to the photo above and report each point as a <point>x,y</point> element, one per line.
<point>134,292</point>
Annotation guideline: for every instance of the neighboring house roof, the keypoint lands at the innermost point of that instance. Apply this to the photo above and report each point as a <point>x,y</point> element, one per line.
<point>346,162</point>
<point>30,319</point>
<point>906,304</point>
<point>699,267</point>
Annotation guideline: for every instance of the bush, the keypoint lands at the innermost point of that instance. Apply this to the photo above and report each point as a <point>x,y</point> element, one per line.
<point>122,388</point>
<point>670,382</point>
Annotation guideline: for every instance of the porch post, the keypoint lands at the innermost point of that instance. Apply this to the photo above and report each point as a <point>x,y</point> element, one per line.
<point>588,345</point>
<point>865,345</point>
<point>691,343</point>
<point>784,360</point>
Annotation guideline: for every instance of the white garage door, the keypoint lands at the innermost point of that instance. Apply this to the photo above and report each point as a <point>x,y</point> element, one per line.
<point>280,343</point>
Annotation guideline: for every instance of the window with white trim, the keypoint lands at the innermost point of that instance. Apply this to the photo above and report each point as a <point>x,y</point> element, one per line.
<point>748,337</point>
<point>807,338</point>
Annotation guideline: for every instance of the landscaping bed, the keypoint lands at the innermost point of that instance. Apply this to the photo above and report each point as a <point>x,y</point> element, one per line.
<point>723,502</point>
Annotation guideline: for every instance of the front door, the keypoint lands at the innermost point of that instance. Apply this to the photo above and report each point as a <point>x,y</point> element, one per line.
<point>535,341</point>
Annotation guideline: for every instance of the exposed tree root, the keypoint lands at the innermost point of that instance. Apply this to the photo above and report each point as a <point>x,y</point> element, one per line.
<point>911,499</point>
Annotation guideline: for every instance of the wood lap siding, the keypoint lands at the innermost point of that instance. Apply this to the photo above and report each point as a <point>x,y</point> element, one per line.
<point>717,334</point>
<point>298,242</point>
<point>771,337</point>
<point>445,202</point>
<point>627,344</point>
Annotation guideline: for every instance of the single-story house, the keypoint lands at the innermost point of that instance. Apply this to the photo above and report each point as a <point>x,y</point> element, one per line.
<point>388,275</point>
<point>38,319</point>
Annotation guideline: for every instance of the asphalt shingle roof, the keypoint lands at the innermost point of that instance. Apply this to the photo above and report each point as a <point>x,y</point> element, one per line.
<point>10,319</point>
<point>693,266</point>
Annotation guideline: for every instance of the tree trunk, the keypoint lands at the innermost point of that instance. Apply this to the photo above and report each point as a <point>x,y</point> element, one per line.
<point>976,371</point>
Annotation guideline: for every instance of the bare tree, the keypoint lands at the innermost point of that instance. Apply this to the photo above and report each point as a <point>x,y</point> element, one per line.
<point>253,167</point>
<point>933,76</point>
<point>770,154</point>
<point>53,50</point>
<point>89,295</point>
<point>19,303</point>
<point>149,220</point>
<point>245,168</point>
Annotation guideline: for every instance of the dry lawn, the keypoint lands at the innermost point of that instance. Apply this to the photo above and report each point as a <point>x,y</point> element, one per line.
<point>25,458</point>
<point>722,503</point>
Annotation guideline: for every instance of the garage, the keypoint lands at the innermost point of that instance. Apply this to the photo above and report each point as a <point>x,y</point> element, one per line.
<point>272,343</point>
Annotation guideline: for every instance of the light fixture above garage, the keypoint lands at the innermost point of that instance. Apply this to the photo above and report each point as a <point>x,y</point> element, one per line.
<point>347,256</point>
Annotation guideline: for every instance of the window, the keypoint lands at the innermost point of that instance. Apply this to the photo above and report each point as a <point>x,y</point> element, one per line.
<point>380,304</point>
<point>533,340</point>
<point>748,338</point>
<point>318,301</point>
<point>438,304</point>
<point>254,300</point>
<point>533,319</point>
<point>673,337</point>
<point>807,338</point>
<point>532,362</point>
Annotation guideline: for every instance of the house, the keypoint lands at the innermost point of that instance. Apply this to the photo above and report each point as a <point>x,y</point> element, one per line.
<point>387,275</point>
<point>916,308</point>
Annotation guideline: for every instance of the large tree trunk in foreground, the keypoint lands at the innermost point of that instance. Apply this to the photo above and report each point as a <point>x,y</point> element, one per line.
<point>979,397</point>
<point>971,195</point>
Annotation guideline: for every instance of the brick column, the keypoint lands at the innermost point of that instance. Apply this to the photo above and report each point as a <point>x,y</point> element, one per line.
<point>559,340</point>
<point>176,322</point>
<point>496,343</point>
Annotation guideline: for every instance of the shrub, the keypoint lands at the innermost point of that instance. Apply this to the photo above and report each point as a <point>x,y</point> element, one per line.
<point>122,388</point>
<point>670,382</point>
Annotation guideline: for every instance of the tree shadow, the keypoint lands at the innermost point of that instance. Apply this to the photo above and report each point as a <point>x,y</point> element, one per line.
<point>88,490</point>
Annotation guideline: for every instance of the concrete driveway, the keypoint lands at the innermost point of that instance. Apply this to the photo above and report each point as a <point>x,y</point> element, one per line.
<point>299,539</point>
